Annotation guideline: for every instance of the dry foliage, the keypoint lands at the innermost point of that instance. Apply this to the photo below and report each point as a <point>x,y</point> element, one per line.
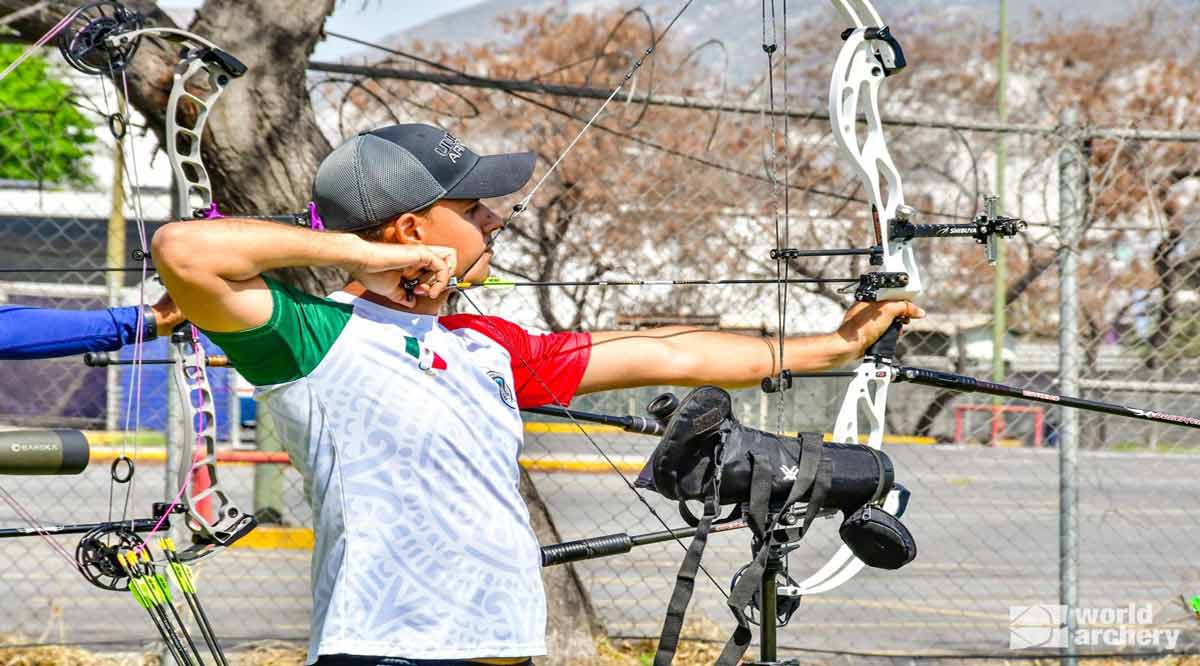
<point>658,192</point>
<point>17,651</point>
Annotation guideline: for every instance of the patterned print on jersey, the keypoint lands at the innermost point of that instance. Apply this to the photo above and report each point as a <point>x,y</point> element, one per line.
<point>423,548</point>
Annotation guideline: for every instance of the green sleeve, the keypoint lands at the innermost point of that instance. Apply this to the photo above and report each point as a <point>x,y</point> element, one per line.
<point>301,331</point>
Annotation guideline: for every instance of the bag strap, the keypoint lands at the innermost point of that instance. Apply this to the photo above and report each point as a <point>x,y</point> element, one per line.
<point>815,473</point>
<point>685,579</point>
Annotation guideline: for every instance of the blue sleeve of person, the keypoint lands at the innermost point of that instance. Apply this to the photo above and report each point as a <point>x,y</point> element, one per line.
<point>29,332</point>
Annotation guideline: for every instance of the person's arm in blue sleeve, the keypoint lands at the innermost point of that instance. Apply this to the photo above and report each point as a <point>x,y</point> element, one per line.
<point>28,332</point>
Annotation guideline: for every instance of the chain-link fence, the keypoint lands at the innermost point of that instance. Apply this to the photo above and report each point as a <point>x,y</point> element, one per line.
<point>690,188</point>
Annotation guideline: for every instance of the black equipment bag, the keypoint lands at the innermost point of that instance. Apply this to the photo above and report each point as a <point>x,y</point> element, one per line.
<point>706,455</point>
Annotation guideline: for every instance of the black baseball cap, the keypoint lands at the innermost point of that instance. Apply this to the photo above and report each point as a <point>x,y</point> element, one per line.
<point>378,175</point>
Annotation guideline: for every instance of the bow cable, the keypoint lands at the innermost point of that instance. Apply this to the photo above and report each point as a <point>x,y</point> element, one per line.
<point>520,208</point>
<point>524,203</point>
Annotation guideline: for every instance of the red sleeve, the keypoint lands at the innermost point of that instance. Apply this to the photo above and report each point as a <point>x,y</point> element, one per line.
<point>546,368</point>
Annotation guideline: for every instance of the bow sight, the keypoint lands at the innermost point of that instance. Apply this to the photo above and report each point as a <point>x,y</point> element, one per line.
<point>986,229</point>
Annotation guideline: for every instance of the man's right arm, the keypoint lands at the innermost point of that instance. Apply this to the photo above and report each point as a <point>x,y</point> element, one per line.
<point>212,267</point>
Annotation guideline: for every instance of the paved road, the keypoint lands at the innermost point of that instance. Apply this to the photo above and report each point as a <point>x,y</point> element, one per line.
<point>986,524</point>
<point>985,521</point>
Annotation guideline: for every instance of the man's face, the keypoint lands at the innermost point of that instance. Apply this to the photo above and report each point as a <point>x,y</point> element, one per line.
<point>465,225</point>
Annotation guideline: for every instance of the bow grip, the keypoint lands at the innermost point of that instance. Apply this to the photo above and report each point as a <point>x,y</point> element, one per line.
<point>885,346</point>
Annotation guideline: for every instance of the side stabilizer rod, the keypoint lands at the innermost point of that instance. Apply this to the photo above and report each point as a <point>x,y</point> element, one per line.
<point>619,543</point>
<point>641,425</point>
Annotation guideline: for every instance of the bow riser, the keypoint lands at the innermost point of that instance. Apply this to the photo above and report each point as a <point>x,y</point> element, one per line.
<point>227,523</point>
<point>183,140</point>
<point>857,77</point>
<point>869,54</point>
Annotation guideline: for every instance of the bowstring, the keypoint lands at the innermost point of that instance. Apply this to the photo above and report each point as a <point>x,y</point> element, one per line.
<point>41,41</point>
<point>770,43</point>
<point>524,202</point>
<point>133,400</point>
<point>132,423</point>
<point>784,262</point>
<point>513,349</point>
<point>8,498</point>
<point>129,164</point>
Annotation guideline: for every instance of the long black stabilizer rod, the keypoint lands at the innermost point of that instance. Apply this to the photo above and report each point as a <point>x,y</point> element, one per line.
<point>620,543</point>
<point>134,525</point>
<point>641,425</point>
<point>966,384</point>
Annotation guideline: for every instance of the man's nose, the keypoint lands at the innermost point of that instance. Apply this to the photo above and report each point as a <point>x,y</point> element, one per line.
<point>490,221</point>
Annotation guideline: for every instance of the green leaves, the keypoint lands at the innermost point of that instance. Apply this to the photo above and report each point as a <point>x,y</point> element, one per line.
<point>43,136</point>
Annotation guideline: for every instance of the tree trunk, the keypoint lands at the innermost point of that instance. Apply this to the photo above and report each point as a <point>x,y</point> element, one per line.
<point>262,146</point>
<point>572,628</point>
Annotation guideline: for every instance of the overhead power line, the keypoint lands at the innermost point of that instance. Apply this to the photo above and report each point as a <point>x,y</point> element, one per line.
<point>701,104</point>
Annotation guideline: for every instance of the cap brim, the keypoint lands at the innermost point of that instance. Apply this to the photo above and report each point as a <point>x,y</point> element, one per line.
<point>494,176</point>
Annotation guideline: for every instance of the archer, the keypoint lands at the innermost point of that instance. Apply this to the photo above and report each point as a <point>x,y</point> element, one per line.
<point>405,422</point>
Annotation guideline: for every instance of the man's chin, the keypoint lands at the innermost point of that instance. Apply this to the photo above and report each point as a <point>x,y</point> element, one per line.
<point>481,271</point>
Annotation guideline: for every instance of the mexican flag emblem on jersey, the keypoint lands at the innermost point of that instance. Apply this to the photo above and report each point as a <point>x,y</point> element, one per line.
<point>427,359</point>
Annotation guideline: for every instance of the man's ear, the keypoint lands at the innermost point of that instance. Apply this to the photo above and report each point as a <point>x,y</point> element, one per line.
<point>408,228</point>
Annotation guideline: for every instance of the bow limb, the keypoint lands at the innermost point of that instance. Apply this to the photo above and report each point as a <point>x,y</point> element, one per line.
<point>866,396</point>
<point>207,69</point>
<point>844,565</point>
<point>860,13</point>
<point>858,75</point>
<point>195,196</point>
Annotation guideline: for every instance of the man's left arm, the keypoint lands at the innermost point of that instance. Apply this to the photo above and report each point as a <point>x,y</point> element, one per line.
<point>36,333</point>
<point>682,356</point>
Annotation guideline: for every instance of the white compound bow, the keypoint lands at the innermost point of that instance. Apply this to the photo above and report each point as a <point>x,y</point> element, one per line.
<point>870,54</point>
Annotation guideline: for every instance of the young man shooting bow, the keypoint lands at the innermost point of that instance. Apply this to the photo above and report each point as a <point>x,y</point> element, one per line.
<point>405,423</point>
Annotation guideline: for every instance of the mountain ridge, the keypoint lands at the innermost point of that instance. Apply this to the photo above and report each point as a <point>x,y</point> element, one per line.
<point>739,22</point>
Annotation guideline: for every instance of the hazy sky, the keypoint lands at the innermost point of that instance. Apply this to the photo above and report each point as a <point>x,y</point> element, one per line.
<point>377,19</point>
